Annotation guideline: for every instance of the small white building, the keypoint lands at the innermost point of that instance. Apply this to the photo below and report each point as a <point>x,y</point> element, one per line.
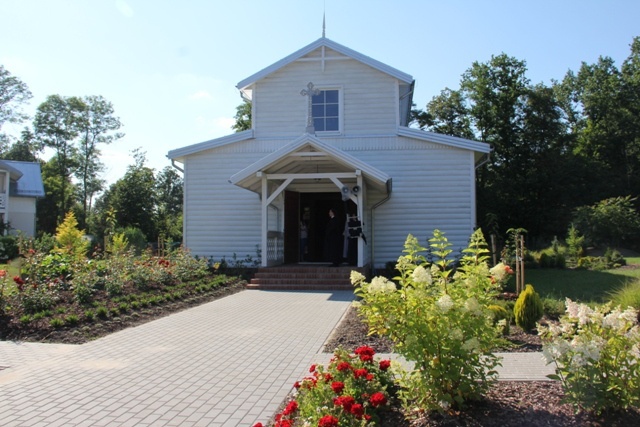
<point>329,129</point>
<point>20,186</point>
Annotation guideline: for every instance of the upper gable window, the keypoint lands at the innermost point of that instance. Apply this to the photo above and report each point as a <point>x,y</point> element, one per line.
<point>325,108</point>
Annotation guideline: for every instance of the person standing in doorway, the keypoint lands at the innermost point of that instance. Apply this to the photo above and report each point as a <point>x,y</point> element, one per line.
<point>333,239</point>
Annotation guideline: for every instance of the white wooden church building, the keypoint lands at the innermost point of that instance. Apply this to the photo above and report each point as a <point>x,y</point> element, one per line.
<point>329,130</point>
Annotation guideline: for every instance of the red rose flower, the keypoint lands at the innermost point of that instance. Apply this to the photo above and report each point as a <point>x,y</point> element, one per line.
<point>258,425</point>
<point>377,399</point>
<point>357,410</point>
<point>284,423</point>
<point>296,384</point>
<point>360,373</point>
<point>337,387</point>
<point>291,408</point>
<point>365,352</point>
<point>385,364</point>
<point>345,401</point>
<point>369,377</point>
<point>328,421</point>
<point>312,368</point>
<point>343,366</point>
<point>327,377</point>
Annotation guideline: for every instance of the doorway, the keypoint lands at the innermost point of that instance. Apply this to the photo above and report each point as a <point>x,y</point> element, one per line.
<point>312,210</point>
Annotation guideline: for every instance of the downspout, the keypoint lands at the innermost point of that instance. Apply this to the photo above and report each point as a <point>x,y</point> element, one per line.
<point>173,163</point>
<point>373,222</point>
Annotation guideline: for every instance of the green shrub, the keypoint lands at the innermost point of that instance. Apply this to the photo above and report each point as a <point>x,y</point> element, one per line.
<point>102,312</point>
<point>552,307</point>
<point>575,246</point>
<point>437,319</point>
<point>124,307</point>
<point>528,309</point>
<point>72,320</point>
<point>39,299</point>
<point>25,319</point>
<point>56,322</point>
<point>500,313</point>
<point>612,222</point>
<point>135,238</point>
<point>628,295</point>
<point>89,315</point>
<point>8,247</point>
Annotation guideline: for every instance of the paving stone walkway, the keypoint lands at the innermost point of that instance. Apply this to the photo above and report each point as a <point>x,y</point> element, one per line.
<point>229,362</point>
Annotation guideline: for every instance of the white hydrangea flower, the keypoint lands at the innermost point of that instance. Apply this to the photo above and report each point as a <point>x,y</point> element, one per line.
<point>356,277</point>
<point>456,334</point>
<point>472,344</point>
<point>630,315</point>
<point>473,307</point>
<point>635,351</point>
<point>421,275</point>
<point>445,303</point>
<point>381,285</point>
<point>499,272</point>
<point>555,350</point>
<point>572,308</point>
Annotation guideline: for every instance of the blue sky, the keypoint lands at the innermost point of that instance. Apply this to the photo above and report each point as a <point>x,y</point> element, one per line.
<point>170,67</point>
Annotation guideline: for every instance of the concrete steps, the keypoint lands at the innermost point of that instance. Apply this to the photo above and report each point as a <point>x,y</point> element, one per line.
<point>303,277</point>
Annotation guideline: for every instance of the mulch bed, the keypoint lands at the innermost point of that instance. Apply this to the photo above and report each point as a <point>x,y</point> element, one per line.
<point>88,331</point>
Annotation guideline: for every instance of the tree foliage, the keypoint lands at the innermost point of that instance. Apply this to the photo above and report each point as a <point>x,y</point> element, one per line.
<point>243,117</point>
<point>14,93</point>
<point>555,147</point>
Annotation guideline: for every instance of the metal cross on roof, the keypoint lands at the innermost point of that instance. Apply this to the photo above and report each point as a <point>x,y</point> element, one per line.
<point>310,91</point>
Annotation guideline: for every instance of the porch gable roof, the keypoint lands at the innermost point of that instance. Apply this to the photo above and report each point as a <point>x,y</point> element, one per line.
<point>285,159</point>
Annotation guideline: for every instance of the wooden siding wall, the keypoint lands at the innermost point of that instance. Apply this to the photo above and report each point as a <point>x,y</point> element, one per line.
<point>280,110</point>
<point>433,187</point>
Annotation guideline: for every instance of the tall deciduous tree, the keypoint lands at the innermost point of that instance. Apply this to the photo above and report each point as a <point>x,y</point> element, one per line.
<point>57,124</point>
<point>243,117</point>
<point>132,197</point>
<point>97,125</point>
<point>169,198</point>
<point>14,93</point>
<point>447,114</point>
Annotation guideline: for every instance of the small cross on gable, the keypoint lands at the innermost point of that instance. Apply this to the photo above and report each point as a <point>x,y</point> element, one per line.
<point>310,92</point>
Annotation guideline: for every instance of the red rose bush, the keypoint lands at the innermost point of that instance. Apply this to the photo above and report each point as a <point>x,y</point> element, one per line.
<point>350,391</point>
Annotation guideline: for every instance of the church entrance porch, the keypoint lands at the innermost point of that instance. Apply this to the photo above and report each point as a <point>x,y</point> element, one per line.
<point>306,219</point>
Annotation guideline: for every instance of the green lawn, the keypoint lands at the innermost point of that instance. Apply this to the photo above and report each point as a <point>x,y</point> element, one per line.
<point>581,285</point>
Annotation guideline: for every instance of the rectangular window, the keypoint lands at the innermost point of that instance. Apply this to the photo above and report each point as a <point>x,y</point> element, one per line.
<point>325,109</point>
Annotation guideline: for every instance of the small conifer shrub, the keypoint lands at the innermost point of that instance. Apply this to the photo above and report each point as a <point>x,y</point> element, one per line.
<point>528,309</point>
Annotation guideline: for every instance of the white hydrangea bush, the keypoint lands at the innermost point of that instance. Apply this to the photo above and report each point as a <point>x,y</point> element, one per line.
<point>597,356</point>
<point>438,319</point>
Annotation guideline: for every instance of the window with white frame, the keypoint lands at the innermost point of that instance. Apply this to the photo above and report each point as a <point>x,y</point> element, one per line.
<point>325,109</point>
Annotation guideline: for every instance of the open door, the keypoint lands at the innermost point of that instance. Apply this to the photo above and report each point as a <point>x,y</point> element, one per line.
<point>291,227</point>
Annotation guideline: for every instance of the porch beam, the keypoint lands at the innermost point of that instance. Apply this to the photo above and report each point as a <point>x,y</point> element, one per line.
<point>337,175</point>
<point>279,190</point>
<point>265,204</point>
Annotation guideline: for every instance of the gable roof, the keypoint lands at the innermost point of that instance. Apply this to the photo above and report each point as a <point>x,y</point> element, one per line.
<point>180,153</point>
<point>323,41</point>
<point>439,138</point>
<point>286,160</point>
<point>28,183</point>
